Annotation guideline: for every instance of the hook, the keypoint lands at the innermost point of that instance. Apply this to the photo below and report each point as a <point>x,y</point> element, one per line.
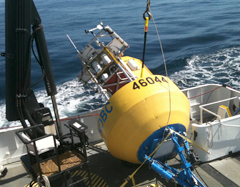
<point>147,11</point>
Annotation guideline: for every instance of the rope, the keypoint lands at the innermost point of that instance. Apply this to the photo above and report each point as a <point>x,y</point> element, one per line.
<point>210,135</point>
<point>45,179</point>
<point>160,43</point>
<point>190,141</point>
<point>133,182</point>
<point>205,92</point>
<point>165,65</point>
<point>132,175</point>
<point>153,185</point>
<point>170,132</point>
<point>65,119</point>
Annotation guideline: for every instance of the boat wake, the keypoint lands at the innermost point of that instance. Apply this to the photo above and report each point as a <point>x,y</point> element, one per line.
<point>73,97</point>
<point>222,67</point>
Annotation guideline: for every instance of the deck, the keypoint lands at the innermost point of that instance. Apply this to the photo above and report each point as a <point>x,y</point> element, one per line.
<point>109,171</point>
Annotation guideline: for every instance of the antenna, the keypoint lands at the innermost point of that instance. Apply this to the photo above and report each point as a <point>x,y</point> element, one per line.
<point>72,43</point>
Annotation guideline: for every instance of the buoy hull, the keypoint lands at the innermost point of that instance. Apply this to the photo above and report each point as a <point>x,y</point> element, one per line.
<point>139,109</point>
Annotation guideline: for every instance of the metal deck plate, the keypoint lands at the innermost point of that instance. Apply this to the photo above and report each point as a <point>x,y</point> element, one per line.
<point>229,167</point>
<point>108,171</point>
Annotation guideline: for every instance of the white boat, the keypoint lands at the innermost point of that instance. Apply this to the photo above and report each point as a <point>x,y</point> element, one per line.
<point>130,88</point>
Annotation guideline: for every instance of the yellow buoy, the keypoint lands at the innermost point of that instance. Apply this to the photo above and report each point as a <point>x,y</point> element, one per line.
<point>139,109</point>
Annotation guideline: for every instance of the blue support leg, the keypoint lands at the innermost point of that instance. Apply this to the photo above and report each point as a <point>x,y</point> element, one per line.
<point>186,174</point>
<point>185,177</point>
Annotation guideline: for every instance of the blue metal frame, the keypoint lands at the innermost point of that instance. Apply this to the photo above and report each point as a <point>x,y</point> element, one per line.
<point>185,177</point>
<point>150,143</point>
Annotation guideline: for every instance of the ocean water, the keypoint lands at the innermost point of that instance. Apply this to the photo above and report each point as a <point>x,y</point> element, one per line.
<point>201,44</point>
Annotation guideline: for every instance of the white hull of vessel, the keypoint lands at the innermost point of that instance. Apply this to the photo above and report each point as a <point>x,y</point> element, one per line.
<point>217,137</point>
<point>213,127</point>
<point>12,148</point>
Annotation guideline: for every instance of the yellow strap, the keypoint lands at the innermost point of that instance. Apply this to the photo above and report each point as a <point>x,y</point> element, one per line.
<point>146,24</point>
<point>190,141</point>
<point>170,132</point>
<point>142,72</point>
<point>133,182</point>
<point>131,176</point>
<point>145,29</point>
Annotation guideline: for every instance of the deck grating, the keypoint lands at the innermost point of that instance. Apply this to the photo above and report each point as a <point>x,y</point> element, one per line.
<point>67,160</point>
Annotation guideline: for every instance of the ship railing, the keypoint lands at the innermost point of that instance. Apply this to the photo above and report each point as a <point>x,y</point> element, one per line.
<point>219,118</point>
